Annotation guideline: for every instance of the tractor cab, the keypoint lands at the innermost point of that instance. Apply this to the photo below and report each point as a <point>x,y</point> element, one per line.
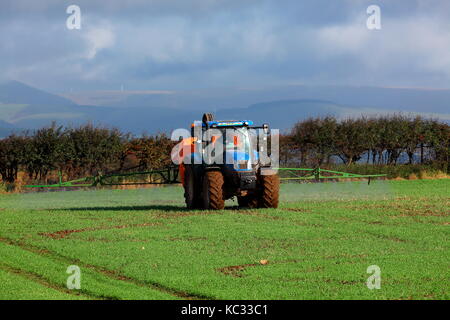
<point>236,141</point>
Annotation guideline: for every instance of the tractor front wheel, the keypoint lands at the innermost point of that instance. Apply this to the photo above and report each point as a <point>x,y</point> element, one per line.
<point>270,189</point>
<point>213,190</point>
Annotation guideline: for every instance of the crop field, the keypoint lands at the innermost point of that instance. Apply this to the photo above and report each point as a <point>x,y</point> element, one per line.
<point>143,244</point>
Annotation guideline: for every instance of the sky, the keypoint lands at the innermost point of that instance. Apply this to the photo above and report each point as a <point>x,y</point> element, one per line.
<point>192,44</point>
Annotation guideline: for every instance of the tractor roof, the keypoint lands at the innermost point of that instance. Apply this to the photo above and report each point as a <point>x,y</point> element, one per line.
<point>226,123</point>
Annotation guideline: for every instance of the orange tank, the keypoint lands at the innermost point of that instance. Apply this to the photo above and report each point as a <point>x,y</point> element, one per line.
<point>184,148</point>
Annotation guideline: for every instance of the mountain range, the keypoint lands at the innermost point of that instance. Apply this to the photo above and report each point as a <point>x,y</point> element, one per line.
<point>25,107</point>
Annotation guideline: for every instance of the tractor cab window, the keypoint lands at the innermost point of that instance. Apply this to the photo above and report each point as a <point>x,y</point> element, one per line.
<point>238,139</point>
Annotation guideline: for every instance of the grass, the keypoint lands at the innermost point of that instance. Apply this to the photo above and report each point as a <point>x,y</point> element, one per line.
<point>143,244</point>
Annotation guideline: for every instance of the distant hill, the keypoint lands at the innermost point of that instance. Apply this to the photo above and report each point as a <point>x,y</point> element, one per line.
<point>406,99</point>
<point>282,114</point>
<point>22,106</point>
<point>14,92</point>
<point>5,128</point>
<point>6,125</point>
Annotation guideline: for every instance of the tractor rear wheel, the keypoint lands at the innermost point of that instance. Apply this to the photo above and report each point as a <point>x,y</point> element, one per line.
<point>213,190</point>
<point>191,189</point>
<point>270,190</point>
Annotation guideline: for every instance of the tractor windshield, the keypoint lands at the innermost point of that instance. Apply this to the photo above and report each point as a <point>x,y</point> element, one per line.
<point>238,139</point>
<point>240,148</point>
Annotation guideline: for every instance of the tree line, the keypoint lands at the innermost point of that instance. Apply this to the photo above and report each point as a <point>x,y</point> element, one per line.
<point>80,151</point>
<point>88,149</point>
<point>387,140</point>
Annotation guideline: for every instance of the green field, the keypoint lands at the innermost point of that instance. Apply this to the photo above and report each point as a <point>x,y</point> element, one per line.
<point>143,244</point>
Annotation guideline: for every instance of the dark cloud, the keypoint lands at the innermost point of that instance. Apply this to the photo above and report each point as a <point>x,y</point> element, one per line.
<point>205,43</point>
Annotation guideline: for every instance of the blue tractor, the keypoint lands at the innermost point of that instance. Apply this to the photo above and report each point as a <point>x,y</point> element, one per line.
<point>224,160</point>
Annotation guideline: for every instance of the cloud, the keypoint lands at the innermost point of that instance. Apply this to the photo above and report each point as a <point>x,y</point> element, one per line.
<point>407,46</point>
<point>177,44</point>
<point>98,38</point>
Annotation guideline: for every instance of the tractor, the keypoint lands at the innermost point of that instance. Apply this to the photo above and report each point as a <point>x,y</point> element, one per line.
<point>223,160</point>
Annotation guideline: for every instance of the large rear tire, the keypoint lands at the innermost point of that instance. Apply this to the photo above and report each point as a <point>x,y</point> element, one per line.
<point>213,190</point>
<point>191,189</point>
<point>270,190</point>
